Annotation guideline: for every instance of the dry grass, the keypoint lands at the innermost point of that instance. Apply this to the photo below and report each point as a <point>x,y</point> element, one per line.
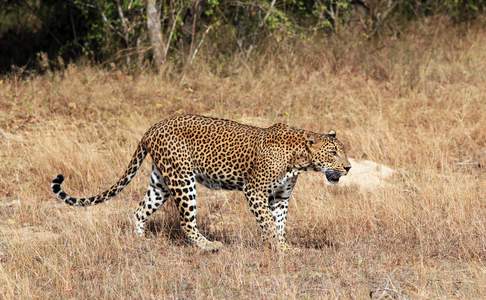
<point>417,104</point>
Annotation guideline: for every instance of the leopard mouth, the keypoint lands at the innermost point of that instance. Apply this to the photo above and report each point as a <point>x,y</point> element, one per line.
<point>332,176</point>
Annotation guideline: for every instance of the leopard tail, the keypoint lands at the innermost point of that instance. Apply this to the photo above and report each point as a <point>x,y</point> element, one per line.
<point>130,172</point>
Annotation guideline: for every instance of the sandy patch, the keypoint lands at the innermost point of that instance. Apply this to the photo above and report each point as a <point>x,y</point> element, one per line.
<point>367,175</point>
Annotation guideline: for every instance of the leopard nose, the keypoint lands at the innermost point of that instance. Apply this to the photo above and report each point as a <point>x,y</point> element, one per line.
<point>347,168</point>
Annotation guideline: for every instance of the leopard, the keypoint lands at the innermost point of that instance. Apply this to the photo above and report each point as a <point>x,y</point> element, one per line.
<point>220,154</point>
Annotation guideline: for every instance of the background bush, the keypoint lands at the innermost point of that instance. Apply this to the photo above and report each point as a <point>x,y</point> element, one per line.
<point>47,34</point>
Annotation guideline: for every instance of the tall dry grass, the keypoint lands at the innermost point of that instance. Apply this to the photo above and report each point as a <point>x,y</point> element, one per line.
<point>416,103</point>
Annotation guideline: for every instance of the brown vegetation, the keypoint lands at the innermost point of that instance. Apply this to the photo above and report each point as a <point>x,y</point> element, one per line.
<point>416,103</point>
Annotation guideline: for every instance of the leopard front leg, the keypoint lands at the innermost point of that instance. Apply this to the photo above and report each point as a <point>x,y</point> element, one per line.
<point>279,208</point>
<point>278,202</point>
<point>258,202</point>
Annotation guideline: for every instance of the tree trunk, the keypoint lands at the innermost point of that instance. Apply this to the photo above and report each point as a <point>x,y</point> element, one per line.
<point>155,33</point>
<point>126,31</point>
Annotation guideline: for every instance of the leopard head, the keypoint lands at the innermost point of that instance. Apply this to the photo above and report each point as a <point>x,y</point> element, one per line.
<point>328,155</point>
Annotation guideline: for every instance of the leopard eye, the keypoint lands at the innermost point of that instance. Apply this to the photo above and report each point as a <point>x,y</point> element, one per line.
<point>333,152</point>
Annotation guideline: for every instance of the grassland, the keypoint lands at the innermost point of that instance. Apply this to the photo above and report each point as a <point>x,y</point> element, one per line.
<point>416,103</point>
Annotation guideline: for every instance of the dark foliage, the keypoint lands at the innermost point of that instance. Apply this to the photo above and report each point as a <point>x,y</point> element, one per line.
<point>61,31</point>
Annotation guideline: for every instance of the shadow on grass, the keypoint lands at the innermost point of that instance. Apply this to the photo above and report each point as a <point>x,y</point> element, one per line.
<point>169,226</point>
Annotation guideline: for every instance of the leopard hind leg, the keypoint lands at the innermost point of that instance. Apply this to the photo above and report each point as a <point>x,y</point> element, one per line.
<point>185,198</point>
<point>156,195</point>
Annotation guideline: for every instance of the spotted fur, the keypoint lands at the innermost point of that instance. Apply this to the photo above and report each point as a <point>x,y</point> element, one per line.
<point>263,163</point>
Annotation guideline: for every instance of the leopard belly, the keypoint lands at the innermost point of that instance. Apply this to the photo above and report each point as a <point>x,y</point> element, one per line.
<point>220,183</point>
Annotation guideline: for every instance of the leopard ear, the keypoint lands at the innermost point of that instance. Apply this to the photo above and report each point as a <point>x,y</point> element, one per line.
<point>311,139</point>
<point>332,133</point>
<point>313,142</point>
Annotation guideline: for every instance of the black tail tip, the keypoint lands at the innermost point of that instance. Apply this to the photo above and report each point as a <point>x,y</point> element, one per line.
<point>59,179</point>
